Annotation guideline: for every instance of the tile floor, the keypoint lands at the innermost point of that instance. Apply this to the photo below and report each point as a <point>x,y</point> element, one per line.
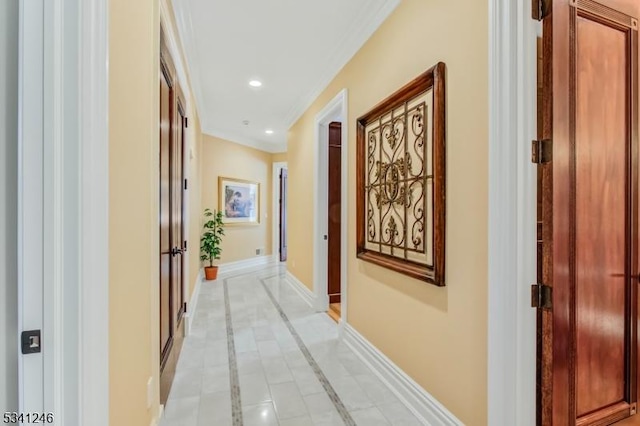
<point>259,355</point>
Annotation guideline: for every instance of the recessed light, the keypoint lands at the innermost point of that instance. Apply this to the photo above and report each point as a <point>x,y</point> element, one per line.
<point>269,131</point>
<point>255,83</point>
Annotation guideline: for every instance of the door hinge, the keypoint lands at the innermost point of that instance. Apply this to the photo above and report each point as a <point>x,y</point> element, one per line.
<point>185,184</point>
<point>185,245</point>
<point>186,122</point>
<point>541,296</point>
<point>540,9</point>
<point>541,151</point>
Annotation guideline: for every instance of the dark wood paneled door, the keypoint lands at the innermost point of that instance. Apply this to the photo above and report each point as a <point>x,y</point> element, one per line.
<point>177,200</point>
<point>283,215</point>
<point>334,212</point>
<point>588,213</point>
<point>165,217</point>
<point>172,242</point>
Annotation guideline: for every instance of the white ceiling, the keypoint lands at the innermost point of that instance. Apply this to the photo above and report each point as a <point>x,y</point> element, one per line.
<point>295,47</point>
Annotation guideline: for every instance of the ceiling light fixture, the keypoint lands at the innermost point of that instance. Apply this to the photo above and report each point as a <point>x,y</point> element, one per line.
<point>255,83</point>
<point>269,131</point>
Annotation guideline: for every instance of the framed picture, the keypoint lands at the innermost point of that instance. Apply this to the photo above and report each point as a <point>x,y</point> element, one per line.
<point>401,180</point>
<point>239,201</point>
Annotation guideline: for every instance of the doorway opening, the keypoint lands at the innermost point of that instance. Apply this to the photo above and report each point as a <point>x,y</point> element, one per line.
<point>334,236</point>
<point>279,230</point>
<point>330,219</point>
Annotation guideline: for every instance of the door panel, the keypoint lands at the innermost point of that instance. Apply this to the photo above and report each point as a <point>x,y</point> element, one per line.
<point>283,215</point>
<point>165,217</point>
<point>601,181</point>
<point>334,213</point>
<point>177,201</point>
<point>588,215</point>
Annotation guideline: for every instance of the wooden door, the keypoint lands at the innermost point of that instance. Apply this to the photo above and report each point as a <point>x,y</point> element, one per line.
<point>334,212</point>
<point>172,242</point>
<point>588,233</point>
<point>165,217</point>
<point>283,215</point>
<point>177,204</point>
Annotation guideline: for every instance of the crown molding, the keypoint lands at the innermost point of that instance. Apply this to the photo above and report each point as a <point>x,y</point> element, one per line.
<point>184,26</point>
<point>347,48</point>
<point>174,49</point>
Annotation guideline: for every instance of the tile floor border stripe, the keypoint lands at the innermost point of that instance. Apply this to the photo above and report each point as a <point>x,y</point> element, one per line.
<point>234,381</point>
<point>331,393</point>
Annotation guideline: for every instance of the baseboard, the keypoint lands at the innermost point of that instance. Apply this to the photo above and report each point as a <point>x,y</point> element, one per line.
<point>193,302</point>
<point>156,420</point>
<point>303,291</point>
<point>422,404</point>
<point>230,267</point>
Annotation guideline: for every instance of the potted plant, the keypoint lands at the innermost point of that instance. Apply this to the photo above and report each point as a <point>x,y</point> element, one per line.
<point>213,230</point>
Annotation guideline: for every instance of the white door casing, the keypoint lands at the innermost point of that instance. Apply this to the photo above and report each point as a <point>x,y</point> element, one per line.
<point>63,208</point>
<point>30,199</point>
<point>512,214</point>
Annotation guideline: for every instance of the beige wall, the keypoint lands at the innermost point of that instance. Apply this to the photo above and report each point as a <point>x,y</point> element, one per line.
<point>133,208</point>
<point>279,157</point>
<point>437,335</point>
<point>228,159</point>
<point>195,202</point>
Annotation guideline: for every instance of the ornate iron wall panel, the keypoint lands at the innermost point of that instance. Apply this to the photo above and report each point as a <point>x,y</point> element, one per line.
<point>400,179</point>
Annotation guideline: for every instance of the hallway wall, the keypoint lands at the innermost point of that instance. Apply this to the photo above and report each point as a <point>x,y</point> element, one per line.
<point>279,157</point>
<point>134,357</point>
<point>436,335</point>
<point>8,205</point>
<point>195,201</point>
<point>228,159</point>
<point>133,209</point>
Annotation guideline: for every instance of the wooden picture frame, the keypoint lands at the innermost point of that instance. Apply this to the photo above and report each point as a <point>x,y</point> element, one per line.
<point>239,201</point>
<point>400,180</point>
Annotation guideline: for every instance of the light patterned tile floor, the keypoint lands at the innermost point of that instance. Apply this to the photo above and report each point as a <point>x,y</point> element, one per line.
<point>259,355</point>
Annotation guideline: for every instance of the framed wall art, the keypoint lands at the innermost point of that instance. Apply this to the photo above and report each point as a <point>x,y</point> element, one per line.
<point>239,201</point>
<point>401,180</point>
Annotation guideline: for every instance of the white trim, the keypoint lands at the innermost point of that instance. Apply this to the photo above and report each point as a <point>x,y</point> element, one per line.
<point>57,386</point>
<point>94,213</point>
<point>64,164</point>
<point>354,40</point>
<point>335,110</point>
<point>421,403</point>
<point>193,303</point>
<point>188,41</point>
<point>302,290</point>
<point>512,210</point>
<point>229,267</point>
<point>174,50</point>
<point>30,198</point>
<point>156,420</point>
<point>275,230</point>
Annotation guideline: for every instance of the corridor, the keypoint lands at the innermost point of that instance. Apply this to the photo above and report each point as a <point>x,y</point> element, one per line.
<point>259,355</point>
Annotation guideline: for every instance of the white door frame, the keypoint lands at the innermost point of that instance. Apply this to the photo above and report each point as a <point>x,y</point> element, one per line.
<point>275,232</point>
<point>512,214</point>
<point>335,110</point>
<point>63,191</point>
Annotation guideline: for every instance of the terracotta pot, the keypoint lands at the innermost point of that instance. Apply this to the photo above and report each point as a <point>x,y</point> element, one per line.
<point>211,273</point>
